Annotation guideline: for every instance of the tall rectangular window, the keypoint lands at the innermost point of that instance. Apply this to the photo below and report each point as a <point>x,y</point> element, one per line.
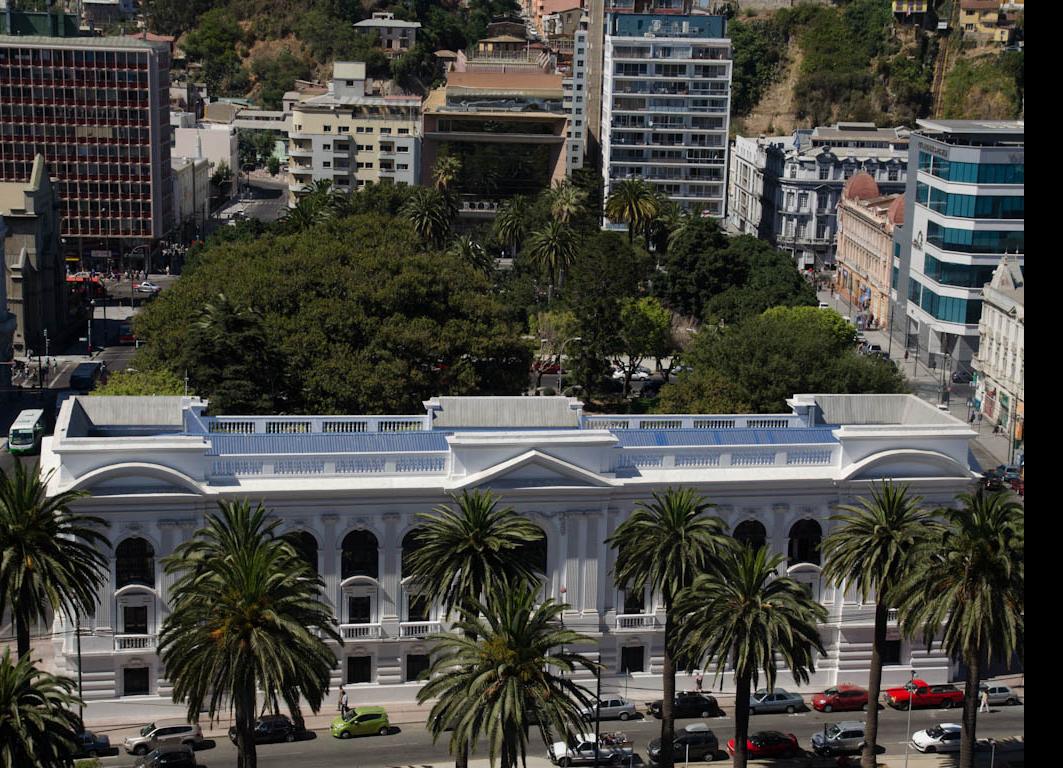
<point>359,669</point>
<point>633,658</point>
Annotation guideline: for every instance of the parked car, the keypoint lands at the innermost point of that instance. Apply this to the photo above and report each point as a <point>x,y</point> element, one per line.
<point>163,733</point>
<point>168,756</point>
<point>824,305</point>
<point>777,700</point>
<point>92,745</point>
<point>546,367</point>
<point>922,694</point>
<point>769,744</point>
<point>147,287</point>
<point>873,349</point>
<point>617,708</point>
<point>939,738</point>
<point>270,729</point>
<point>839,738</point>
<point>688,704</point>
<point>841,698</point>
<point>694,742</point>
<point>580,750</point>
<point>361,721</point>
<point>639,374</point>
<point>1000,694</point>
<point>961,377</point>
<point>87,375</point>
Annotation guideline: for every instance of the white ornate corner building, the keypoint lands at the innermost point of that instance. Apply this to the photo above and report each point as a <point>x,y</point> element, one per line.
<point>353,486</point>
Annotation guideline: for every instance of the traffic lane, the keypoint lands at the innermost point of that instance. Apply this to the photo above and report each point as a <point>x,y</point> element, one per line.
<point>410,744</point>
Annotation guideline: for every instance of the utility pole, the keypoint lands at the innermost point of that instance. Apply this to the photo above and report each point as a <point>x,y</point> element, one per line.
<point>598,712</point>
<point>77,638</point>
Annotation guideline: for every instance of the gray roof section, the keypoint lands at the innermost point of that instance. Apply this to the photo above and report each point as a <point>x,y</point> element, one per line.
<point>95,415</point>
<point>104,43</point>
<point>1014,127</point>
<point>669,438</point>
<point>880,409</point>
<point>504,412</point>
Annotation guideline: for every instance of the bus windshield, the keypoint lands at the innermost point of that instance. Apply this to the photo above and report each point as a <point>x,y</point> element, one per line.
<point>21,437</point>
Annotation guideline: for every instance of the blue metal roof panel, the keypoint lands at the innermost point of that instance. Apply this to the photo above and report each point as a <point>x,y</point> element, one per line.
<point>664,438</point>
<point>402,442</point>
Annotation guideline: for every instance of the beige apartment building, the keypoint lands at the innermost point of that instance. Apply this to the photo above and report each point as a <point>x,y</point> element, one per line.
<point>353,134</point>
<point>866,221</point>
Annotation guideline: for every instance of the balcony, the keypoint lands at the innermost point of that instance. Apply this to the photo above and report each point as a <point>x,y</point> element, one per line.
<point>361,631</point>
<point>636,622</point>
<point>408,629</point>
<point>134,642</point>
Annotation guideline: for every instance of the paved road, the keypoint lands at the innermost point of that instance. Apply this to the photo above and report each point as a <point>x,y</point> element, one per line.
<point>411,745</point>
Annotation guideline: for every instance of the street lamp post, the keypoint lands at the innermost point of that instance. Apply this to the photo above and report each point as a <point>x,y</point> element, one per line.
<point>561,364</point>
<point>92,314</point>
<point>598,711</point>
<point>908,728</point>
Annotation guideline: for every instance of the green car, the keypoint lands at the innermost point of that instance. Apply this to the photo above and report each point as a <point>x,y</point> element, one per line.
<point>361,721</point>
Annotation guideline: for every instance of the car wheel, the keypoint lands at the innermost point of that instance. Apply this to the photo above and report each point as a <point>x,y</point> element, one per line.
<point>384,731</point>
<point>564,762</point>
<point>931,749</point>
<point>93,753</point>
<point>828,708</point>
<point>866,707</point>
<point>290,738</point>
<point>706,713</point>
<point>345,734</point>
<point>624,716</point>
<point>791,709</point>
<point>752,711</point>
<point>946,705</point>
<point>140,749</point>
<point>1013,702</point>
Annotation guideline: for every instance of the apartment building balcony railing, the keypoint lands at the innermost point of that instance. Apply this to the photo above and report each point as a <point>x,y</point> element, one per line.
<point>408,629</point>
<point>134,642</point>
<point>635,622</point>
<point>361,631</point>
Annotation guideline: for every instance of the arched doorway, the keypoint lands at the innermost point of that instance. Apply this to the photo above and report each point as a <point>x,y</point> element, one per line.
<point>753,533</point>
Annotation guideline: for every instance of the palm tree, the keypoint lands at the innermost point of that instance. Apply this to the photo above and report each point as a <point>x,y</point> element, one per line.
<point>634,202</point>
<point>745,613</point>
<point>663,545</point>
<point>472,253</point>
<point>871,549</point>
<point>38,726</point>
<point>468,551</point>
<point>553,249</point>
<point>307,212</point>
<point>446,171</point>
<point>969,589</point>
<point>429,212</point>
<point>511,224</point>
<point>51,556</point>
<point>567,201</point>
<point>502,668</point>
<point>247,614</point>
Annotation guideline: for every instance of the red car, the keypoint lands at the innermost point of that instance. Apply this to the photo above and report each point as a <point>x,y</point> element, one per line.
<point>841,698</point>
<point>546,367</point>
<point>922,694</point>
<point>769,744</point>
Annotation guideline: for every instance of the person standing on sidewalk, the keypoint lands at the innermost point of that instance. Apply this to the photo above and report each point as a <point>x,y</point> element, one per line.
<point>984,696</point>
<point>343,702</point>
<point>699,680</point>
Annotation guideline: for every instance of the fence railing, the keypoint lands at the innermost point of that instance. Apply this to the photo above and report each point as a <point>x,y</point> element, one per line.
<point>134,642</point>
<point>291,425</point>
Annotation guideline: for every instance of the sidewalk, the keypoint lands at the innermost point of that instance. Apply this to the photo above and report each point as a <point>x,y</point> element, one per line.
<point>989,449</point>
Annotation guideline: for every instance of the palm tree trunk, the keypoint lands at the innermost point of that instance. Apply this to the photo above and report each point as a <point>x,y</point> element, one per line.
<point>874,686</point>
<point>668,691</point>
<point>22,635</point>
<point>742,683</point>
<point>970,709</point>
<point>244,704</point>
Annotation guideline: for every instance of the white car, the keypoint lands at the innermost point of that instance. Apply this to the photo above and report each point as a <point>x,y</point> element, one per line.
<point>1000,694</point>
<point>640,374</point>
<point>147,287</point>
<point>580,751</point>
<point>939,738</point>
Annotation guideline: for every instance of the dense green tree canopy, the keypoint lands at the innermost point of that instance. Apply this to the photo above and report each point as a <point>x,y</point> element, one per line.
<point>767,358</point>
<point>350,316</point>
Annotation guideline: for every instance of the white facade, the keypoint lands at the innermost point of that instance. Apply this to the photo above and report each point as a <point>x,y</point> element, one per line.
<point>575,102</point>
<point>1001,361</point>
<point>153,467</point>
<point>191,193</point>
<point>752,184</point>
<point>666,102</point>
<point>214,142</point>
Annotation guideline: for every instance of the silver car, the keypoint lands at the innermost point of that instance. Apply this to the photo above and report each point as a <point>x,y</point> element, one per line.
<point>1000,694</point>
<point>777,700</point>
<point>615,708</point>
<point>841,738</point>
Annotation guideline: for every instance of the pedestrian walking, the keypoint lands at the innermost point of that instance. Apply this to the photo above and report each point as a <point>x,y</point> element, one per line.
<point>343,702</point>
<point>699,680</point>
<point>984,696</point>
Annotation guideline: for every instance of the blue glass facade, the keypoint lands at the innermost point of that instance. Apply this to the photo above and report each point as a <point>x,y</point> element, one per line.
<point>975,241</point>
<point>961,275</point>
<point>972,173</point>
<point>971,206</point>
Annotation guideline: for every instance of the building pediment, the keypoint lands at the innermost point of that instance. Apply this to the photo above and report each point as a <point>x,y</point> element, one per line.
<point>533,469</point>
<point>907,464</point>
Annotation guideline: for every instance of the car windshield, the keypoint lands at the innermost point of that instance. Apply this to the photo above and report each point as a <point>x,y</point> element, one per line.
<point>830,692</point>
<point>147,729</point>
<point>936,732</point>
<point>833,731</point>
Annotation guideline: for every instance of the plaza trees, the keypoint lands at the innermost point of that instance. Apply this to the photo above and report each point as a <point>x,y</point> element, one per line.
<point>870,550</point>
<point>742,613</point>
<point>247,614</point>
<point>52,558</point>
<point>645,331</point>
<point>38,725</point>
<point>633,202</point>
<point>344,311</point>
<point>967,586</point>
<point>662,547</point>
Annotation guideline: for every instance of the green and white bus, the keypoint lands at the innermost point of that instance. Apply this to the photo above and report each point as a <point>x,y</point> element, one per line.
<point>26,432</point>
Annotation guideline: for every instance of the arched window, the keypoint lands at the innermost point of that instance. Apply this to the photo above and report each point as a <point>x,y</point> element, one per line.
<point>410,544</point>
<point>305,546</point>
<point>805,537</point>
<point>751,532</point>
<point>535,554</point>
<point>418,606</point>
<point>359,556</point>
<point>134,563</point>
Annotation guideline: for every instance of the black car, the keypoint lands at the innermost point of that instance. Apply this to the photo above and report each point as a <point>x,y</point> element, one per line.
<point>270,729</point>
<point>689,705</point>
<point>961,377</point>
<point>695,742</point>
<point>168,756</point>
<point>91,745</point>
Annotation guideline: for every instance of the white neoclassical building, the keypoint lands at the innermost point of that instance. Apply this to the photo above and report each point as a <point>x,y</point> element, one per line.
<point>354,485</point>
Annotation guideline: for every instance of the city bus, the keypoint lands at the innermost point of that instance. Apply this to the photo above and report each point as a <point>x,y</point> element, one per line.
<point>26,432</point>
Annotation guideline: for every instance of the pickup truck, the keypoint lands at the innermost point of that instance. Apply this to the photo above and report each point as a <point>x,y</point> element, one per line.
<point>580,751</point>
